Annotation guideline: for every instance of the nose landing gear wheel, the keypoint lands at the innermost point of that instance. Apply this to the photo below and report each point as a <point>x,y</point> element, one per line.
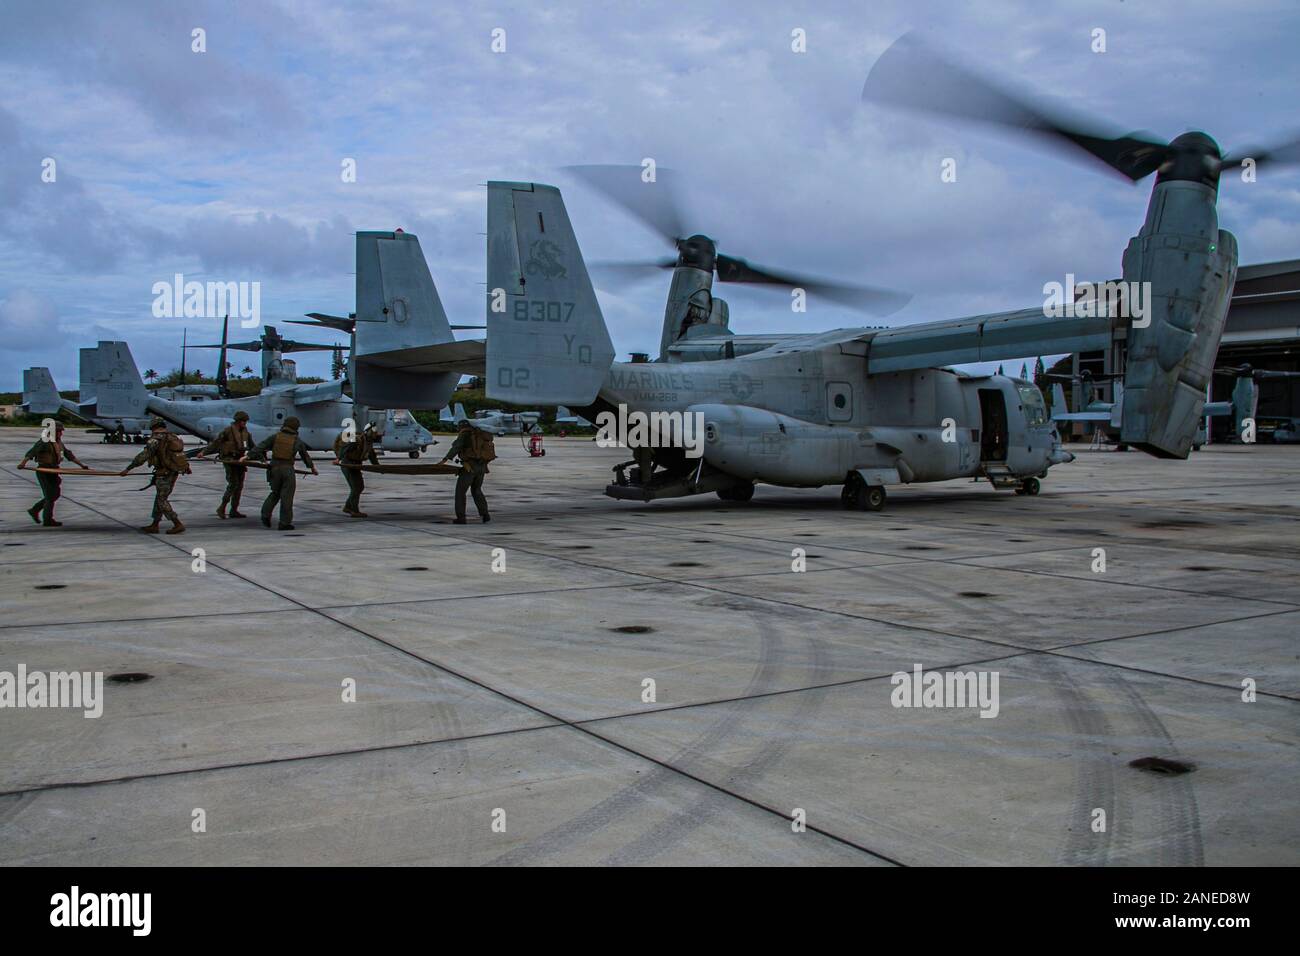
<point>1029,486</point>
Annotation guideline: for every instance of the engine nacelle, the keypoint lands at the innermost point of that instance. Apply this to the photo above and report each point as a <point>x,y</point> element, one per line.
<point>1191,266</point>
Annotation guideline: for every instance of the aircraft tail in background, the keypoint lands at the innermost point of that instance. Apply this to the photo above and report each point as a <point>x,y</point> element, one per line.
<point>119,390</point>
<point>452,413</point>
<point>405,355</point>
<point>40,397</point>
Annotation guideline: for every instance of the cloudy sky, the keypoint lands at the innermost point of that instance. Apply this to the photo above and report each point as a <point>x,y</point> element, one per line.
<point>226,164</point>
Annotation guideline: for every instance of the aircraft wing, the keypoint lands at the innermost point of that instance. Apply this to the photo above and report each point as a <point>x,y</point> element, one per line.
<point>1081,416</point>
<point>984,338</point>
<point>976,338</point>
<point>467,357</point>
<point>314,392</point>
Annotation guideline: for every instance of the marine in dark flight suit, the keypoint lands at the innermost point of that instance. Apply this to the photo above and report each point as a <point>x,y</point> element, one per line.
<point>356,452</point>
<point>284,446</point>
<point>49,454</point>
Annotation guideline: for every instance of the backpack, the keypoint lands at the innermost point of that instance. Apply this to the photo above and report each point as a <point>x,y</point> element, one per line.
<point>169,455</point>
<point>481,447</point>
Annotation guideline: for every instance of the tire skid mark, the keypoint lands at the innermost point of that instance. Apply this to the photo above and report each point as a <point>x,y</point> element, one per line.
<point>631,798</point>
<point>1180,840</point>
<point>672,831</point>
<point>1094,771</point>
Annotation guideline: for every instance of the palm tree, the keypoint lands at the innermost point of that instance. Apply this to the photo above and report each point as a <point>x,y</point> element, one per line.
<point>247,370</point>
<point>150,375</point>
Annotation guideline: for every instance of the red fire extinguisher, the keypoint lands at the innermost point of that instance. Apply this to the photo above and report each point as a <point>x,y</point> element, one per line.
<point>535,449</point>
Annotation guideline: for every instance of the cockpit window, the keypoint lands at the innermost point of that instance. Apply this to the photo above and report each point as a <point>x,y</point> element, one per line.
<point>1032,400</point>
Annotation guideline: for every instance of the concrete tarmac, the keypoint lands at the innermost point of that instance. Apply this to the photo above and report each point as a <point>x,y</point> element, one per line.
<point>656,684</point>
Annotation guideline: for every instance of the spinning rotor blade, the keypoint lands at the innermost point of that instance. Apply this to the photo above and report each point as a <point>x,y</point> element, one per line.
<point>1281,154</point>
<point>241,346</point>
<point>869,298</point>
<point>336,322</point>
<point>654,203</point>
<point>912,76</point>
<point>223,383</point>
<point>607,274</point>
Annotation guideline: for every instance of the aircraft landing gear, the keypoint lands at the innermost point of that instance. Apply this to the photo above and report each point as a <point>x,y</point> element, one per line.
<point>859,496</point>
<point>742,492</point>
<point>1029,486</point>
<point>413,453</point>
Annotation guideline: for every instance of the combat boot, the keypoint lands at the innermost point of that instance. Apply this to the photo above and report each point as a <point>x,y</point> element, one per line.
<point>35,511</point>
<point>53,524</point>
<point>221,510</point>
<point>237,514</point>
<point>150,528</point>
<point>176,528</point>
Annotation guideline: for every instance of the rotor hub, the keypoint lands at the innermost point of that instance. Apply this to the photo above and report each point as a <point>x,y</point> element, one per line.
<point>1193,157</point>
<point>697,252</point>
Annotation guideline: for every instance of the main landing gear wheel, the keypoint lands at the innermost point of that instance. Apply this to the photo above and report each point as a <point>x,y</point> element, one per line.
<point>859,496</point>
<point>737,492</point>
<point>413,453</point>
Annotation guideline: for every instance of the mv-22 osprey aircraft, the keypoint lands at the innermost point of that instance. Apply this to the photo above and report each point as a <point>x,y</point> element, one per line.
<point>866,408</point>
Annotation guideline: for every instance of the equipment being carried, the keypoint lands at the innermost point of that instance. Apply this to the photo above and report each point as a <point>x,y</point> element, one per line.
<point>79,471</point>
<point>420,468</point>
<point>249,463</point>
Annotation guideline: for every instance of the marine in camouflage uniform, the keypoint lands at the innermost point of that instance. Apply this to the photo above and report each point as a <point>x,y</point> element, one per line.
<point>49,454</point>
<point>472,470</point>
<point>165,454</point>
<point>356,452</point>
<point>284,446</point>
<point>231,445</point>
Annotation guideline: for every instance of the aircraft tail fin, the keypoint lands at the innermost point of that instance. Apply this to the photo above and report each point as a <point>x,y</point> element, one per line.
<point>399,317</point>
<point>119,390</point>
<point>87,372</point>
<point>452,413</point>
<point>547,342</point>
<point>1245,398</point>
<point>1058,401</point>
<point>40,397</point>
